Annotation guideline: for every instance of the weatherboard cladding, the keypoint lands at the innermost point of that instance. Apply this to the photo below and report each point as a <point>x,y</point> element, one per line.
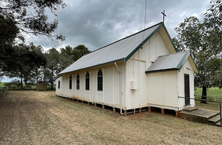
<point>120,50</point>
<point>173,61</point>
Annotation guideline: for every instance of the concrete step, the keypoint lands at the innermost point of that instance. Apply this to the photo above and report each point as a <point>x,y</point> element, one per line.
<point>219,124</point>
<point>190,109</point>
<point>215,119</point>
<point>202,113</point>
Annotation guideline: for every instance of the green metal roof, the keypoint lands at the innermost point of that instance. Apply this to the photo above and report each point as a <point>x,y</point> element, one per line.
<point>120,50</point>
<point>173,61</point>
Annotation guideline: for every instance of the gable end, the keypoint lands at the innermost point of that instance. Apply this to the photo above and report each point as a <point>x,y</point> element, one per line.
<point>141,44</point>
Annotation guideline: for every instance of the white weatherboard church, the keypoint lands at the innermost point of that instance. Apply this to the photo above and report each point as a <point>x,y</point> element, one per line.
<point>141,70</point>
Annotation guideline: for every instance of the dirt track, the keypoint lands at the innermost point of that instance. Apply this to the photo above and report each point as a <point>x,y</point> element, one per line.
<point>32,117</point>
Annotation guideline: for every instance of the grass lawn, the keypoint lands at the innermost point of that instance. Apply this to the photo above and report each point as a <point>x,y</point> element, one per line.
<point>40,117</point>
<point>24,86</point>
<point>2,84</point>
<point>213,92</point>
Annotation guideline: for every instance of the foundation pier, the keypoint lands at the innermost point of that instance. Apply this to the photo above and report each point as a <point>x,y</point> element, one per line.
<point>162,110</point>
<point>125,112</point>
<point>177,113</point>
<point>149,109</point>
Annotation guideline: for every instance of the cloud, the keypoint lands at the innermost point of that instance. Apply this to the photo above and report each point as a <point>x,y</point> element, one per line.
<point>97,23</point>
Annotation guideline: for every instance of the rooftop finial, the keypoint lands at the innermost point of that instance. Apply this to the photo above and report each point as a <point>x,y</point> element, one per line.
<point>164,15</point>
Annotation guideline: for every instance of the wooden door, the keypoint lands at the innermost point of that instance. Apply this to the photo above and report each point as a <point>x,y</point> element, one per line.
<point>187,89</point>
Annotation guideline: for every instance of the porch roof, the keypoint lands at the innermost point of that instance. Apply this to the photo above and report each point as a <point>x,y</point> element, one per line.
<point>173,61</point>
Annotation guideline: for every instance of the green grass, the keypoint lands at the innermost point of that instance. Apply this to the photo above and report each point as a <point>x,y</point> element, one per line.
<point>2,84</point>
<point>212,92</point>
<point>24,87</point>
<point>2,91</point>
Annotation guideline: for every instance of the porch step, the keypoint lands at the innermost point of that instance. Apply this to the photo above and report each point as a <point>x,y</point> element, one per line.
<point>218,124</point>
<point>215,119</point>
<point>190,109</point>
<point>201,115</point>
<point>207,114</point>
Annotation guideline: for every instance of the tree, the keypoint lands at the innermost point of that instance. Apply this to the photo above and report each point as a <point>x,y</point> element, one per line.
<point>177,44</point>
<point>79,51</point>
<point>19,17</point>
<point>56,62</point>
<point>213,22</point>
<point>8,32</point>
<point>29,16</point>
<point>204,42</point>
<point>76,52</point>
<point>52,66</point>
<point>29,58</point>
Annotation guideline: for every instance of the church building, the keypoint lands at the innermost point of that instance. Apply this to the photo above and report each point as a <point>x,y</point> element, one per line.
<point>143,70</point>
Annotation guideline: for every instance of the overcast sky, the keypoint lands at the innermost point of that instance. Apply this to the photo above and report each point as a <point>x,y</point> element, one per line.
<point>95,23</point>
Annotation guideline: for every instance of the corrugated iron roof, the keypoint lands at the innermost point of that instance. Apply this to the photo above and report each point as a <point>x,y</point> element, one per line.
<point>122,49</point>
<point>173,61</point>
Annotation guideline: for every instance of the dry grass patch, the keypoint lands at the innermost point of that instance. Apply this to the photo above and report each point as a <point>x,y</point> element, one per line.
<point>32,117</point>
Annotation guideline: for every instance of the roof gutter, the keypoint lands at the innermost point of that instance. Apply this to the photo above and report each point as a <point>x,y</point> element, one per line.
<point>120,88</point>
<point>153,71</point>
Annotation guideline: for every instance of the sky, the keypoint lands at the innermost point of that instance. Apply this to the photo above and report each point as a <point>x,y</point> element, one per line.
<point>96,23</point>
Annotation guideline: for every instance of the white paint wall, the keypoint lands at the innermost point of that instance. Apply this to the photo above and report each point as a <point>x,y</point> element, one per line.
<point>162,89</point>
<point>135,71</point>
<point>110,94</point>
<point>186,69</point>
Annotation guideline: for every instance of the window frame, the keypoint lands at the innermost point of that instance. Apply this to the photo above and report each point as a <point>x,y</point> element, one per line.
<point>77,82</point>
<point>70,82</point>
<point>87,81</point>
<point>100,80</point>
<point>59,84</point>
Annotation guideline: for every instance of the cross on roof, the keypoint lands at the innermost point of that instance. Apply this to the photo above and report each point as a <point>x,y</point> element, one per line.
<point>164,15</point>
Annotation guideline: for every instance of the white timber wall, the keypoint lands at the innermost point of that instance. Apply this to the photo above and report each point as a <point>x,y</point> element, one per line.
<point>186,69</point>
<point>58,91</point>
<point>137,90</point>
<point>110,95</point>
<point>162,87</point>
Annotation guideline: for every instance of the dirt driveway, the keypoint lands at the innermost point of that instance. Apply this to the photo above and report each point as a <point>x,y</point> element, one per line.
<point>34,117</point>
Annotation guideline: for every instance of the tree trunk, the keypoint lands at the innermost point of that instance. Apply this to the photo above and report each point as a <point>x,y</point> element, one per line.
<point>51,85</point>
<point>21,83</point>
<point>204,94</point>
<point>36,74</point>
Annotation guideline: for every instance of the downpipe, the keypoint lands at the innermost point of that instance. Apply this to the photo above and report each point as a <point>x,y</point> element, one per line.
<point>120,88</point>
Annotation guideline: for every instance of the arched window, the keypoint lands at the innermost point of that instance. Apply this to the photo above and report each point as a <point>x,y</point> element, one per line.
<point>58,84</point>
<point>77,82</point>
<point>87,80</point>
<point>70,82</point>
<point>100,80</point>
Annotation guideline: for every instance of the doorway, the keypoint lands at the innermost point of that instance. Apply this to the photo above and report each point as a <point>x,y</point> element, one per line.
<point>187,89</point>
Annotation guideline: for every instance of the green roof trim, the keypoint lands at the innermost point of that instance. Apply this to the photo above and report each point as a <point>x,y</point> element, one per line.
<point>141,44</point>
<point>184,59</point>
<point>145,40</point>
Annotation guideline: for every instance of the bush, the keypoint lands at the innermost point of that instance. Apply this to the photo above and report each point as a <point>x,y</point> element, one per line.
<point>13,85</point>
<point>2,91</point>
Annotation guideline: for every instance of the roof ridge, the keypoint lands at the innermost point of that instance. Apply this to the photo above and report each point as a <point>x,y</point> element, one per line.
<point>126,37</point>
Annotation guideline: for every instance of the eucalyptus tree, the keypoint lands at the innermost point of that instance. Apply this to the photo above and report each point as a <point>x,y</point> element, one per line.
<point>203,39</point>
